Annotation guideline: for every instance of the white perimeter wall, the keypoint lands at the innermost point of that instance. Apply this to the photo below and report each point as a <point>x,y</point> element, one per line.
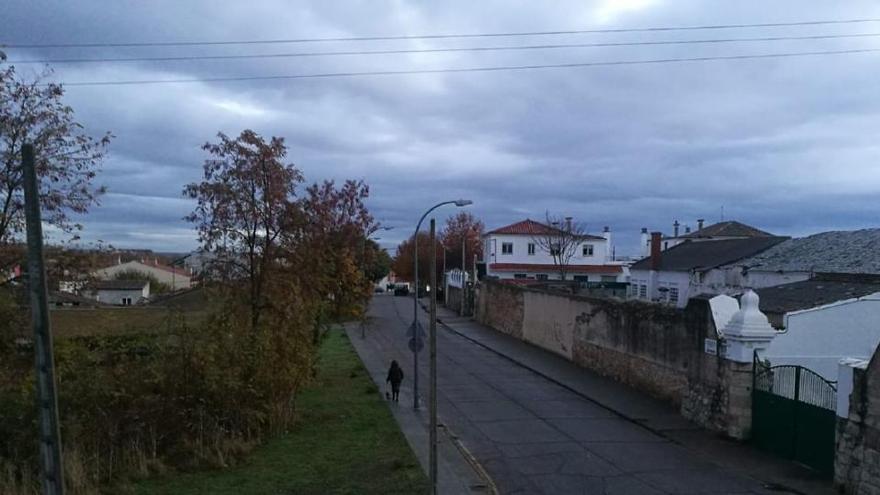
<point>819,338</point>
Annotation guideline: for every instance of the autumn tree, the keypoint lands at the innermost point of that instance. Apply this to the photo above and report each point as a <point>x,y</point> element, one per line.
<point>242,206</point>
<point>560,238</point>
<point>462,226</point>
<point>403,258</point>
<point>377,260</point>
<point>67,159</point>
<point>332,243</point>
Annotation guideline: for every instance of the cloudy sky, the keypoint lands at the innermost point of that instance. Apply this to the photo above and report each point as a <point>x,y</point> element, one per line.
<point>789,145</point>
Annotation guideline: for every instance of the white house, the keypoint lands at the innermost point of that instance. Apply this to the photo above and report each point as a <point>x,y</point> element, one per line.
<point>689,269</point>
<point>120,292</point>
<point>174,277</point>
<point>822,320</point>
<point>511,252</point>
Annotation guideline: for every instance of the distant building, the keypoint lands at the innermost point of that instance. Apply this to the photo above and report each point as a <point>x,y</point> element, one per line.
<point>691,268</point>
<point>720,231</point>
<point>511,252</point>
<point>174,277</point>
<point>120,292</point>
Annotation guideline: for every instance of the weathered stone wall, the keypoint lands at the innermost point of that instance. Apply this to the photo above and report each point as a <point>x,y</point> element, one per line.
<point>500,306</point>
<point>653,348</point>
<point>453,298</point>
<point>857,464</point>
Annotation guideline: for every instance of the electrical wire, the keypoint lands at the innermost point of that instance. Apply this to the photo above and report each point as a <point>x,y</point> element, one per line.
<point>438,36</point>
<point>444,50</point>
<point>470,69</point>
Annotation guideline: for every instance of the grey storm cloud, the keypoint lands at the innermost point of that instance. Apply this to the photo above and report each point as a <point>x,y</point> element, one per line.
<point>788,145</point>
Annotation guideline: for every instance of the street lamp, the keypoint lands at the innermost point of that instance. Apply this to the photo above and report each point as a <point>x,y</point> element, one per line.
<point>415,325</point>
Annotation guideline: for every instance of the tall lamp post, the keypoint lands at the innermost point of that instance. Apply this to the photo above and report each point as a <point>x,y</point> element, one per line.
<point>415,324</point>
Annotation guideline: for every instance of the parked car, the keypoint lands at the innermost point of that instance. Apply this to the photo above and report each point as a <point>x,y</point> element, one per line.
<point>378,290</point>
<point>401,290</point>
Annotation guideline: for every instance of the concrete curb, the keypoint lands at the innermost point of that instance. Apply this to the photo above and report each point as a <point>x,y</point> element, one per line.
<point>472,460</point>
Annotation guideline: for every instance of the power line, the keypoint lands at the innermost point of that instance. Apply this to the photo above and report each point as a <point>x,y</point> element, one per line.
<point>440,36</point>
<point>470,69</point>
<point>445,50</point>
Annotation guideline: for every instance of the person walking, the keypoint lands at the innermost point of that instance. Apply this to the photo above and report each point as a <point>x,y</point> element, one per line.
<point>395,376</point>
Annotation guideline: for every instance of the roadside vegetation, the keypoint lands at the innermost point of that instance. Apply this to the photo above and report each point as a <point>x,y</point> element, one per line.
<point>181,389</point>
<point>344,440</point>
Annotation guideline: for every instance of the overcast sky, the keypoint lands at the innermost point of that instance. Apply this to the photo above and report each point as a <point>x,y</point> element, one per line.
<point>789,145</point>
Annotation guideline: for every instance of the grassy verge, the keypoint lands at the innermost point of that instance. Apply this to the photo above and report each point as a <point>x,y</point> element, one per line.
<point>346,442</point>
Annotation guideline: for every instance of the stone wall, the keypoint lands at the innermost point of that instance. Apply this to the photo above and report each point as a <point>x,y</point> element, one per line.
<point>857,464</point>
<point>453,298</point>
<point>653,348</point>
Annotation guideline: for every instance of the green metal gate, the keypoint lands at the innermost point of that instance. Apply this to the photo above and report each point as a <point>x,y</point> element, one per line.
<point>793,414</point>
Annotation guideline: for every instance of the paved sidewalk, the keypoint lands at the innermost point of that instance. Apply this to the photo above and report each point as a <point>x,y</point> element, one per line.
<point>458,472</point>
<point>657,416</point>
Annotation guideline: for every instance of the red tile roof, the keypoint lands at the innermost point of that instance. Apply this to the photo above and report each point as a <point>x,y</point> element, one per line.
<point>537,267</point>
<point>531,227</point>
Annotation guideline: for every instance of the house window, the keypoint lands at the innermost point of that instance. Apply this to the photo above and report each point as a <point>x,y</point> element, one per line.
<point>541,276</point>
<point>643,291</point>
<point>673,295</point>
<point>582,278</point>
<point>554,251</point>
<point>609,278</point>
<point>519,275</point>
<point>531,248</point>
<point>588,249</point>
<point>126,301</point>
<point>506,248</point>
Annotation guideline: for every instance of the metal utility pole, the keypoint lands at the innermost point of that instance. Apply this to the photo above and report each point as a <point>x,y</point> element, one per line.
<point>52,475</point>
<point>433,356</point>
<point>463,274</point>
<point>416,344</point>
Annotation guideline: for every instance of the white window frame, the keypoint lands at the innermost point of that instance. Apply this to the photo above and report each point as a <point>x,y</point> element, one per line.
<point>587,250</point>
<point>531,249</point>
<point>505,246</point>
<point>126,301</point>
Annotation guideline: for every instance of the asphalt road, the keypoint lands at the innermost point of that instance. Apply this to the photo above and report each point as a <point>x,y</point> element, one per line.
<point>533,436</point>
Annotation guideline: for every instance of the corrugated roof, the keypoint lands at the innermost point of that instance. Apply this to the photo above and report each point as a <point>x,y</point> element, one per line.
<point>853,251</point>
<point>537,267</point>
<point>812,293</point>
<point>531,227</point>
<point>730,228</point>
<point>708,254</point>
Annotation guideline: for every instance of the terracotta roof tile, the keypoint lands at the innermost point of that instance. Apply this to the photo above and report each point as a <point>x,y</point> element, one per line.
<point>531,227</point>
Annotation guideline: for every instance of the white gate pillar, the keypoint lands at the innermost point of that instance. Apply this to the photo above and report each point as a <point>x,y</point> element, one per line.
<point>747,331</point>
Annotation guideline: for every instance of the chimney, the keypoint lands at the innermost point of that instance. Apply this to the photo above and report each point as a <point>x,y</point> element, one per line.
<point>700,223</point>
<point>645,243</point>
<point>568,224</point>
<point>609,248</point>
<point>655,251</point>
<point>675,226</point>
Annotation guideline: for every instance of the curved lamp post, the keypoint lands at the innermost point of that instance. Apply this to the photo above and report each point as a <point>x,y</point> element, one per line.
<point>459,203</point>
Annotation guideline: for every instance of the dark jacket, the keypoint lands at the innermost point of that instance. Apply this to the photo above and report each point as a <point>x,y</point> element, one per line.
<point>395,375</point>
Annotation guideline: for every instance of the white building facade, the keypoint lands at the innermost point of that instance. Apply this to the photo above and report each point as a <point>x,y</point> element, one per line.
<point>512,252</point>
<point>173,277</point>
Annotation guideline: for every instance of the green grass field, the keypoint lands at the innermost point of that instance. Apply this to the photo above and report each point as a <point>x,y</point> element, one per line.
<point>345,442</point>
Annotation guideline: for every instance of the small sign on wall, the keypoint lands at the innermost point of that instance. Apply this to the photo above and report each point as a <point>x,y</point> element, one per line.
<point>710,346</point>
